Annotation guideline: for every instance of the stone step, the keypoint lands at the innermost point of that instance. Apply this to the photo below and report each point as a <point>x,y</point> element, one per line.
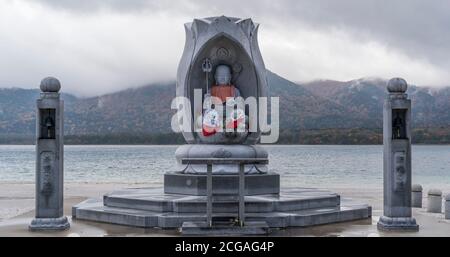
<point>251,228</point>
<point>193,204</point>
<point>94,210</point>
<point>225,198</point>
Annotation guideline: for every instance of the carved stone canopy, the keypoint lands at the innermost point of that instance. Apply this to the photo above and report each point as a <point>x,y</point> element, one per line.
<point>222,40</point>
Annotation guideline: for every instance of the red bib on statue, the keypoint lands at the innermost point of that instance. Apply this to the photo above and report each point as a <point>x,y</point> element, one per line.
<point>223,91</point>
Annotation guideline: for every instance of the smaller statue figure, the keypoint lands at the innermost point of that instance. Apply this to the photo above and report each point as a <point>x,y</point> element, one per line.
<point>211,122</point>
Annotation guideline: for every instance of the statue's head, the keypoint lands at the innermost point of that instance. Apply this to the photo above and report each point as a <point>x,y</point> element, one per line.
<point>223,75</point>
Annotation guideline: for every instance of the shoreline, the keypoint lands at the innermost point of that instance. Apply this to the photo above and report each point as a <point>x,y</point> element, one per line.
<point>17,210</point>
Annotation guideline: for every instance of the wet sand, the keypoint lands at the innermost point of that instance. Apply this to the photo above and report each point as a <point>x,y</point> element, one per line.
<point>17,211</point>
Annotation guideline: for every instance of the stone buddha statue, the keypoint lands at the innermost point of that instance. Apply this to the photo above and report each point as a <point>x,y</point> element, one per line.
<point>222,60</point>
<point>223,87</point>
<point>224,93</point>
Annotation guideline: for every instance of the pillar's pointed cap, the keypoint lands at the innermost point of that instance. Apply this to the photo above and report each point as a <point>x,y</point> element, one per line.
<point>397,85</point>
<point>50,84</point>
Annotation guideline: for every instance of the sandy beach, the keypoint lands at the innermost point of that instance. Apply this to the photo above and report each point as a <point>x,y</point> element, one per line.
<point>17,210</point>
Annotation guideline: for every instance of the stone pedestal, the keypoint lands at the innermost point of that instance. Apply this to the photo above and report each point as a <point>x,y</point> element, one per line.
<point>223,151</point>
<point>150,207</point>
<point>195,184</point>
<point>49,159</point>
<point>61,223</point>
<point>190,178</point>
<point>222,174</point>
<point>397,223</point>
<point>397,159</point>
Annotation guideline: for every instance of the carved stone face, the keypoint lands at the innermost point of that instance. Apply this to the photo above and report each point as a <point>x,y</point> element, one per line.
<point>223,75</point>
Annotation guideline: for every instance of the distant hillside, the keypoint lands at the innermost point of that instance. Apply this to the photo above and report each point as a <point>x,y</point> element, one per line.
<point>301,109</point>
<point>430,107</point>
<point>17,110</point>
<point>316,112</point>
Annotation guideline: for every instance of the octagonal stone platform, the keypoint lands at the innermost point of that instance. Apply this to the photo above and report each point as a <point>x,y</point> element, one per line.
<point>148,208</point>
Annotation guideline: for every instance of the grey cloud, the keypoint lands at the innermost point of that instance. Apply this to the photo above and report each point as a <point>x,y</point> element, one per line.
<point>420,28</point>
<point>92,6</point>
<point>122,6</point>
<point>117,43</point>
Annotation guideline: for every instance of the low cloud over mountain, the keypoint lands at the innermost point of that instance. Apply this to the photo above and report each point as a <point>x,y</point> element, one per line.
<point>317,106</point>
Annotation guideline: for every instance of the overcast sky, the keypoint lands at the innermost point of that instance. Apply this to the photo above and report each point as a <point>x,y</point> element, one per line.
<point>101,46</point>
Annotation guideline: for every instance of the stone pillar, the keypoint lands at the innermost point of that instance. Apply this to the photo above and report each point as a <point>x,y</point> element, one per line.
<point>447,207</point>
<point>49,159</point>
<point>434,201</point>
<point>416,196</point>
<point>397,159</point>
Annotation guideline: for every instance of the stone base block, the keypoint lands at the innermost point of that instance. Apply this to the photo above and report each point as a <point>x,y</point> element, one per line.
<point>251,228</point>
<point>397,224</point>
<point>39,224</point>
<point>195,184</point>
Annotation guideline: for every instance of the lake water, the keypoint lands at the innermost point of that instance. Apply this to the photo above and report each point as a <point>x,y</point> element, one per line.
<point>298,165</point>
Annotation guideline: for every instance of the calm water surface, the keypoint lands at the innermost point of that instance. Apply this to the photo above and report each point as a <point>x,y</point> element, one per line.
<point>299,165</point>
